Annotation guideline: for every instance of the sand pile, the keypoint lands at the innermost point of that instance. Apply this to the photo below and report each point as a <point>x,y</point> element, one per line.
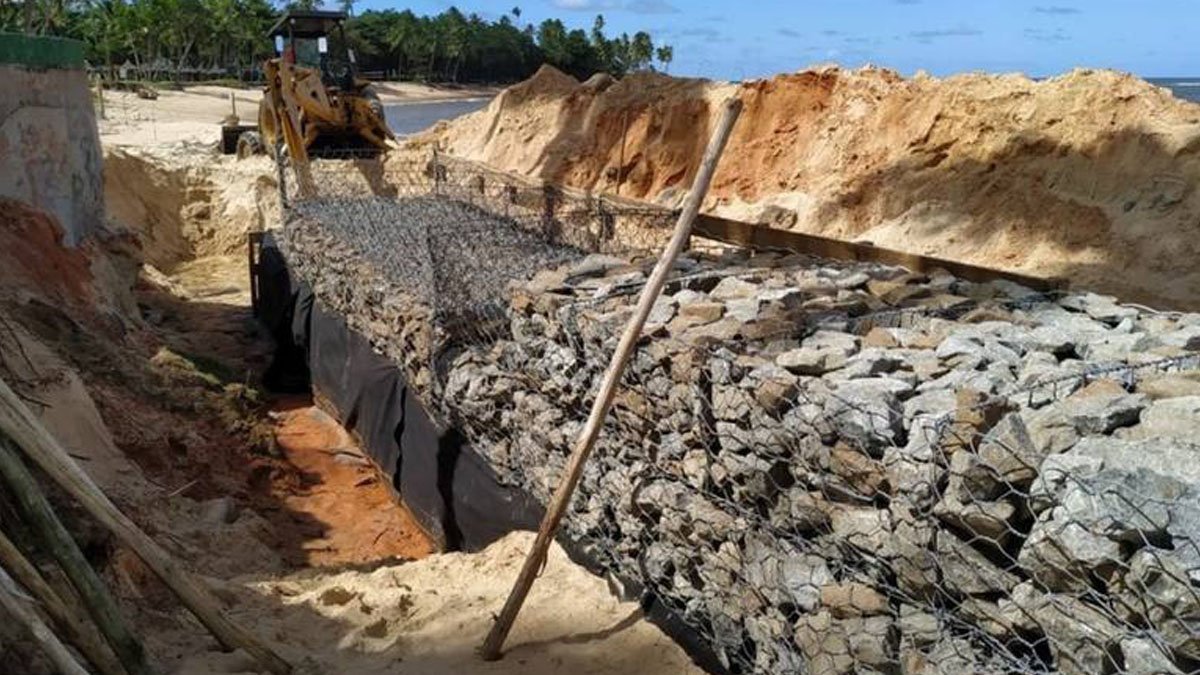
<point>429,616</point>
<point>1090,175</point>
<point>186,201</point>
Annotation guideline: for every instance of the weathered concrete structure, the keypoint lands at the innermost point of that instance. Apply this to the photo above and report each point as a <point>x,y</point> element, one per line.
<point>49,146</point>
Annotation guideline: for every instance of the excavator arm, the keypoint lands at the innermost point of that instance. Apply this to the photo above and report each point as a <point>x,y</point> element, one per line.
<point>297,111</point>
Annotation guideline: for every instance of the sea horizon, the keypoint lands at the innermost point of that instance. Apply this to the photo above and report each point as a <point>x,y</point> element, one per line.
<point>1186,88</point>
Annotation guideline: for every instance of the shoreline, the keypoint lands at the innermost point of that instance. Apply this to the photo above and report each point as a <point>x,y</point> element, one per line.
<point>195,113</point>
<point>431,101</point>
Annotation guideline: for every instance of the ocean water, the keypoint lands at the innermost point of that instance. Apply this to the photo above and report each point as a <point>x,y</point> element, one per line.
<point>410,118</point>
<point>1186,88</point>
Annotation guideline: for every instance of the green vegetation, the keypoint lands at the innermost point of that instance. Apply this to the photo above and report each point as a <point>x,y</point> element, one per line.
<point>211,39</point>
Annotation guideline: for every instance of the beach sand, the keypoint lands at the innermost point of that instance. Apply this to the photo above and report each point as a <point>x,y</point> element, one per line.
<point>195,114</point>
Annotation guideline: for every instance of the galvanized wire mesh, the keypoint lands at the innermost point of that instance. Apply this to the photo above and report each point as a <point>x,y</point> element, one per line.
<point>820,467</point>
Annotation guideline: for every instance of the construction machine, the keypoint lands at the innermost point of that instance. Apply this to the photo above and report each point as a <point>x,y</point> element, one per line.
<point>314,102</point>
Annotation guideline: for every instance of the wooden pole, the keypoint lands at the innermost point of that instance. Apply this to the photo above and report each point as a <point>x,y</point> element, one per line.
<point>60,656</point>
<point>22,427</point>
<point>492,645</point>
<point>78,632</point>
<point>57,541</point>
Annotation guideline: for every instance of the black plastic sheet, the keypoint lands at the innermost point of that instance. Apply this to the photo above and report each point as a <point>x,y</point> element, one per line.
<point>449,488</point>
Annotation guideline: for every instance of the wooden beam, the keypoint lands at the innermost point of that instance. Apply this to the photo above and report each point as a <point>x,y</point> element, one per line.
<point>760,237</point>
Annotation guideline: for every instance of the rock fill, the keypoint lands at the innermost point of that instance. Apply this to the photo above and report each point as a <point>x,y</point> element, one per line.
<point>835,468</point>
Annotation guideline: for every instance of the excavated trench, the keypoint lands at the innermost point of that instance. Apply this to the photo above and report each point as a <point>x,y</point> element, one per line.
<point>131,338</point>
<point>811,465</point>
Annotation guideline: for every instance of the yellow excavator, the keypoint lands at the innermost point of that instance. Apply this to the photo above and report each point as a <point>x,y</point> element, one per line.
<point>314,102</point>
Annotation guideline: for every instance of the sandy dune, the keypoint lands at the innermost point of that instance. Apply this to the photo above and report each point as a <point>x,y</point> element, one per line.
<point>1090,175</point>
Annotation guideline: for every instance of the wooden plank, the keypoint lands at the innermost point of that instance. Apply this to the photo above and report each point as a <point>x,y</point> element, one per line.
<point>760,237</point>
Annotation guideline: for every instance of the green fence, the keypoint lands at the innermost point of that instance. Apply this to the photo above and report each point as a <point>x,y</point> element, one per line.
<point>40,52</point>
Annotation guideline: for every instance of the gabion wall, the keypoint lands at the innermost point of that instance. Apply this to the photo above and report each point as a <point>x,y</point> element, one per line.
<point>821,467</point>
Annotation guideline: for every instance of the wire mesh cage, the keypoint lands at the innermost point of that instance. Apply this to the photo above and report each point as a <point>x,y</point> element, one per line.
<point>819,466</point>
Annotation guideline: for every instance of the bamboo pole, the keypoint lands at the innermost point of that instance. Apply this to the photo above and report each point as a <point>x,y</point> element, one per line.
<point>60,656</point>
<point>494,642</point>
<point>78,632</point>
<point>19,424</point>
<point>56,540</point>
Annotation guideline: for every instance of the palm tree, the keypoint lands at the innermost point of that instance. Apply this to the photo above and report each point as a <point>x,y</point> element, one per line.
<point>665,54</point>
<point>400,40</point>
<point>641,50</point>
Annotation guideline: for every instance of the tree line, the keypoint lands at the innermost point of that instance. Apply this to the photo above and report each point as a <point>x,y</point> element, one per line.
<point>194,39</point>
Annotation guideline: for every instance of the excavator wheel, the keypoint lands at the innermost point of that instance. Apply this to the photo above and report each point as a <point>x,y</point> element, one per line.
<point>250,143</point>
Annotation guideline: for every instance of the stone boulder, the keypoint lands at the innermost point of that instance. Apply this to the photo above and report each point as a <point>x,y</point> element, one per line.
<point>1110,495</point>
<point>868,412</point>
<point>834,646</point>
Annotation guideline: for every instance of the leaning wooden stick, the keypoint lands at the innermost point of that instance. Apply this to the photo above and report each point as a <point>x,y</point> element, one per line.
<point>22,427</point>
<point>13,603</point>
<point>78,632</point>
<point>54,538</point>
<point>583,447</point>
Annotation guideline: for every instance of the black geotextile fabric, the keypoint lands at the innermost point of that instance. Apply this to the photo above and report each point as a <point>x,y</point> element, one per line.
<point>449,488</point>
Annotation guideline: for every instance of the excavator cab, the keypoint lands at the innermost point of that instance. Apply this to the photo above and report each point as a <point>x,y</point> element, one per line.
<point>314,102</point>
<point>316,39</point>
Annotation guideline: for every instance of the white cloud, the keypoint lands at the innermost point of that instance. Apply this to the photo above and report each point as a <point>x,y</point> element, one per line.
<point>651,7</point>
<point>638,6</point>
<point>585,5</point>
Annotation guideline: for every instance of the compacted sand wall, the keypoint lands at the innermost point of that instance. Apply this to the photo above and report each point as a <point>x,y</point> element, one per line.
<point>49,147</point>
<point>819,467</point>
<point>1090,175</point>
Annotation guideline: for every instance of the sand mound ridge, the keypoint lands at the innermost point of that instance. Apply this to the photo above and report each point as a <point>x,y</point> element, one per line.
<point>1090,175</point>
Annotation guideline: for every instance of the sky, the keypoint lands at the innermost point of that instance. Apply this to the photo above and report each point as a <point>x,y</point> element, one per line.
<point>755,38</point>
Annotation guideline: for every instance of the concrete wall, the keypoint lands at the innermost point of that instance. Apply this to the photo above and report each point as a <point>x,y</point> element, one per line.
<point>49,145</point>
